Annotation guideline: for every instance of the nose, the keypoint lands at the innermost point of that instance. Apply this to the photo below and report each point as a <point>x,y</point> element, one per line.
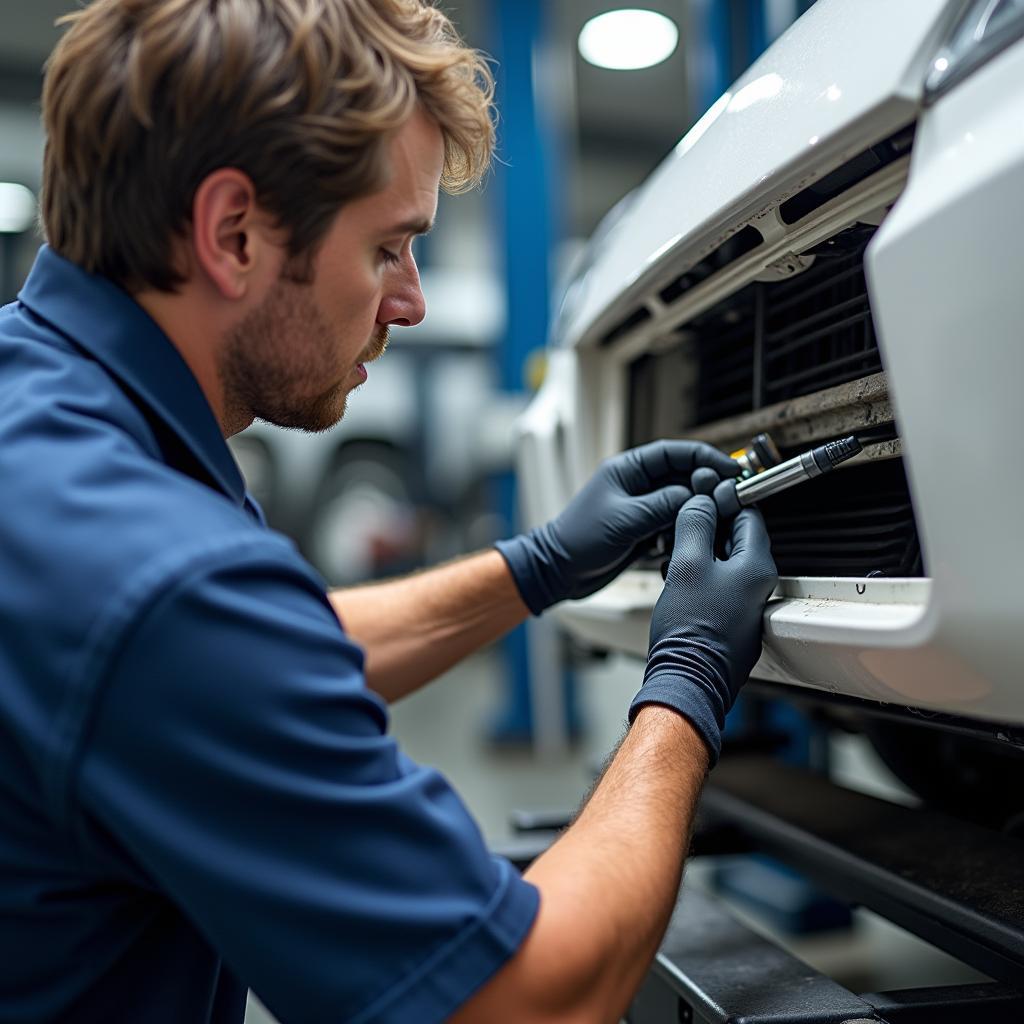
<point>402,304</point>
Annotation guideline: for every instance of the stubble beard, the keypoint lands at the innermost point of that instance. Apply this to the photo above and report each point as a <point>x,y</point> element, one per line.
<point>276,359</point>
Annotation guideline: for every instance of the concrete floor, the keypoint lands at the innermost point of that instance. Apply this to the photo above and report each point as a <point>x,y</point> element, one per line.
<point>444,724</point>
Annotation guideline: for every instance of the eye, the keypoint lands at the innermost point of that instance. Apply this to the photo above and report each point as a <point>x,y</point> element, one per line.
<point>388,257</point>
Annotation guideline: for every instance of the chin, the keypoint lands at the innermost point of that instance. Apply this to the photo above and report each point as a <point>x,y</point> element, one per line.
<point>327,413</point>
<point>315,416</point>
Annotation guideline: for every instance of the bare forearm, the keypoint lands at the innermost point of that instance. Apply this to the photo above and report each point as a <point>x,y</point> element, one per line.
<point>613,877</point>
<point>608,885</point>
<point>415,628</point>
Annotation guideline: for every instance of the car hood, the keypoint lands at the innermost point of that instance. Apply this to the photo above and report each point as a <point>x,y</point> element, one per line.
<point>845,76</point>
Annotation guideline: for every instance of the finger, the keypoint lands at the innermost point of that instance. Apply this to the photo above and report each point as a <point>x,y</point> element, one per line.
<point>704,480</point>
<point>688,455</point>
<point>726,499</point>
<point>752,552</point>
<point>663,462</point>
<point>658,510</point>
<point>695,529</point>
<point>750,536</point>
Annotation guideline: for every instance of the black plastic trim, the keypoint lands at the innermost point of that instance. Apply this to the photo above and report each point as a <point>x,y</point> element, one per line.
<point>745,240</point>
<point>635,319</point>
<point>851,173</point>
<point>977,728</point>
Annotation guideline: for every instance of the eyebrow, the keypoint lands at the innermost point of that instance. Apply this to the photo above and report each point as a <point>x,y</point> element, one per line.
<point>417,226</point>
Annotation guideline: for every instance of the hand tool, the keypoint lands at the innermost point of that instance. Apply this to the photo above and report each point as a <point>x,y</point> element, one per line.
<point>732,495</point>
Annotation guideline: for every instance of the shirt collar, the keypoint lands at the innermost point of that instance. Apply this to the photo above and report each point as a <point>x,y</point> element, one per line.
<point>105,321</point>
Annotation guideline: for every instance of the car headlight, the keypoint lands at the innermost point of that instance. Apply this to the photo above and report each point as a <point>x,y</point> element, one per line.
<point>982,31</point>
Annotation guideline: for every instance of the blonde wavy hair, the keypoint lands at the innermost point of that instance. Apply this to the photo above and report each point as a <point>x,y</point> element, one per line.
<point>142,99</point>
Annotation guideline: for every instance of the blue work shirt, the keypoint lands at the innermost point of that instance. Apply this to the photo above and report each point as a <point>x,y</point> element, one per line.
<point>197,790</point>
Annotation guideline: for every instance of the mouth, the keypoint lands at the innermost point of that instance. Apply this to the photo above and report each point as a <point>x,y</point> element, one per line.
<point>372,351</point>
<point>378,345</point>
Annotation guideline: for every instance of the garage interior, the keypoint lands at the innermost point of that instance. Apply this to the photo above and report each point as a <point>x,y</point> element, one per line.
<point>852,861</point>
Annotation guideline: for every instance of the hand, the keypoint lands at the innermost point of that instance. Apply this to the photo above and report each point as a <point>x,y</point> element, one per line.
<point>706,626</point>
<point>630,499</point>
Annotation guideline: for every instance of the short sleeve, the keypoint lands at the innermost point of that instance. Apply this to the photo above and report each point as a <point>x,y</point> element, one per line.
<point>240,762</point>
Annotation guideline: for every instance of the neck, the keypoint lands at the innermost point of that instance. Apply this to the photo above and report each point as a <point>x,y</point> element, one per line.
<point>194,332</point>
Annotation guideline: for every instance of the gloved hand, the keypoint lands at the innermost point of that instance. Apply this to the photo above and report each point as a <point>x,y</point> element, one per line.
<point>706,626</point>
<point>630,499</point>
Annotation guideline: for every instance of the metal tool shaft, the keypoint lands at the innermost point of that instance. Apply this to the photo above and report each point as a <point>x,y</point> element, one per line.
<point>778,478</point>
<point>795,470</point>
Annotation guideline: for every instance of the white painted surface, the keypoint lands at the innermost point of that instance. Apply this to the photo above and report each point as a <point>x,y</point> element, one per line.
<point>946,287</point>
<point>845,76</point>
<point>541,459</point>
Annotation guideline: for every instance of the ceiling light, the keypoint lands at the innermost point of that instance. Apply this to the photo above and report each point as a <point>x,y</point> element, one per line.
<point>628,39</point>
<point>17,208</point>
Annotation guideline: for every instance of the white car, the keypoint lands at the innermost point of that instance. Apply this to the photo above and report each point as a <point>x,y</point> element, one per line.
<point>834,248</point>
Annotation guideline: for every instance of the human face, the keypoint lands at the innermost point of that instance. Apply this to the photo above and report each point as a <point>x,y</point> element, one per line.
<point>294,359</point>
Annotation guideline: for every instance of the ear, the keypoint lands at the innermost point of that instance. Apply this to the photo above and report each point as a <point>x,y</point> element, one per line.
<point>227,242</point>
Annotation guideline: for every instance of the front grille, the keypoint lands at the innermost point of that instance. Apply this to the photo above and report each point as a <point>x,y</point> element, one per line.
<point>857,521</point>
<point>774,341</point>
<point>817,326</point>
<point>725,374</point>
<point>762,347</point>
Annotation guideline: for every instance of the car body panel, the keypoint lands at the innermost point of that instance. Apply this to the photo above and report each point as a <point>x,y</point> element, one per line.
<point>945,277</point>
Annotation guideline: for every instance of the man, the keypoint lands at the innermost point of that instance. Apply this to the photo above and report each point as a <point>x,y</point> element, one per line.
<point>197,788</point>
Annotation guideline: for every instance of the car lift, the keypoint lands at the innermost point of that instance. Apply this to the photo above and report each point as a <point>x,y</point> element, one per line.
<point>957,885</point>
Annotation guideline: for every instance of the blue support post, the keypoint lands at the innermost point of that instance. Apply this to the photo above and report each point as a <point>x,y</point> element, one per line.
<point>708,53</point>
<point>757,30</point>
<point>522,186</point>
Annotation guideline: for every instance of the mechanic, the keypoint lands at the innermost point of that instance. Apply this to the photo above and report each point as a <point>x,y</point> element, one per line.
<point>198,792</point>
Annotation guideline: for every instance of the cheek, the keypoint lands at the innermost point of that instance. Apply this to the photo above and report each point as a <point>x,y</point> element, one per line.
<point>352,324</point>
<point>354,303</point>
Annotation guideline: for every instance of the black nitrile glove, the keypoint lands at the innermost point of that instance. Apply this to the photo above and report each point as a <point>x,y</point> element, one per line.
<point>630,499</point>
<point>706,626</point>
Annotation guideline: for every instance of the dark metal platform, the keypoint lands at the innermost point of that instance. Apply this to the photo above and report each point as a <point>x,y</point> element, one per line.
<point>712,969</point>
<point>957,885</point>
